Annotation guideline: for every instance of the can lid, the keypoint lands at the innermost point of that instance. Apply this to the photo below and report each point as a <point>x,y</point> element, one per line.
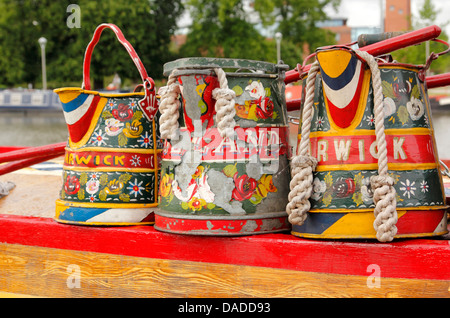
<point>199,63</point>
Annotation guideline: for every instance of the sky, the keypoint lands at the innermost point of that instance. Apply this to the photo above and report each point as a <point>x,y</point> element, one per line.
<point>361,13</point>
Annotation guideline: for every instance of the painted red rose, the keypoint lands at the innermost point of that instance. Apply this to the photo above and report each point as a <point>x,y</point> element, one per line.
<point>123,112</point>
<point>244,187</point>
<point>72,185</point>
<point>265,108</point>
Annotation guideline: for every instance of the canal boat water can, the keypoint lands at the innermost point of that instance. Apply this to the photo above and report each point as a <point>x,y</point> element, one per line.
<point>110,171</point>
<point>366,126</point>
<point>224,170</point>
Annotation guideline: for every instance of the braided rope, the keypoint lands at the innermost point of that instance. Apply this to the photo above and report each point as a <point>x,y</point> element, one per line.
<point>169,109</point>
<point>225,110</point>
<point>383,185</point>
<point>303,165</point>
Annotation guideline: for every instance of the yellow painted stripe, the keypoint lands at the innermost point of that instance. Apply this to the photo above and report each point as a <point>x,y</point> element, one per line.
<point>85,91</point>
<point>368,132</point>
<point>113,169</point>
<point>101,104</point>
<point>355,224</point>
<point>103,149</point>
<point>66,204</point>
<point>374,166</point>
<point>421,208</point>
<point>334,62</point>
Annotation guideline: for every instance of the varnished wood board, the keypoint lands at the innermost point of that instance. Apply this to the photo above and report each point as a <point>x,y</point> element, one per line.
<point>49,272</point>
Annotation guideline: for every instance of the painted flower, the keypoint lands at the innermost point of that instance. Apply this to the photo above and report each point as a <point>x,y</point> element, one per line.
<point>265,185</point>
<point>256,89</point>
<point>92,198</point>
<point>389,107</point>
<point>319,122</point>
<point>408,188</point>
<point>165,185</point>
<point>370,120</point>
<point>415,108</point>
<point>114,187</point>
<point>111,103</point>
<point>99,138</point>
<point>319,187</point>
<point>145,140</point>
<point>72,185</point>
<point>133,104</point>
<point>196,204</point>
<point>198,188</point>
<point>92,186</point>
<point>113,127</point>
<point>198,173</point>
<point>133,130</point>
<point>424,186</point>
<point>265,108</point>
<point>122,112</point>
<point>135,187</point>
<point>244,187</point>
<point>135,161</point>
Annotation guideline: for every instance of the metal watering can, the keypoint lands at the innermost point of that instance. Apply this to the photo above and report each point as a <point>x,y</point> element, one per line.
<point>224,169</point>
<point>110,172</point>
<point>366,163</point>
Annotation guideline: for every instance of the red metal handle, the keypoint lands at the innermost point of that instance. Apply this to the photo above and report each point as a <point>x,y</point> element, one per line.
<point>382,47</point>
<point>149,103</point>
<point>90,48</point>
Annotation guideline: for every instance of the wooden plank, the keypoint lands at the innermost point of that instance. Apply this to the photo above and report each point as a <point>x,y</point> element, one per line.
<point>410,259</point>
<point>49,272</point>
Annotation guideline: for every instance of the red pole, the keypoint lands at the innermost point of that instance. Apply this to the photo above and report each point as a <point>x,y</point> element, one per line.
<point>383,47</point>
<point>35,152</point>
<point>438,80</point>
<point>13,166</point>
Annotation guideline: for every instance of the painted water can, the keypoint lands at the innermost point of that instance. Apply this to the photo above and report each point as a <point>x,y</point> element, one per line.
<point>110,171</point>
<point>366,154</point>
<point>224,169</point>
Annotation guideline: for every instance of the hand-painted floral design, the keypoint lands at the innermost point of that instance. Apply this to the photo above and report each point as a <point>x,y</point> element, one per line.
<point>135,161</point>
<point>72,185</point>
<point>145,140</point>
<point>92,186</point>
<point>123,112</point>
<point>114,187</point>
<point>415,108</point>
<point>198,193</point>
<point>165,185</point>
<point>424,187</point>
<point>99,138</point>
<point>408,188</point>
<point>133,130</point>
<point>113,127</point>
<point>247,188</point>
<point>260,106</point>
<point>244,187</point>
<point>136,187</point>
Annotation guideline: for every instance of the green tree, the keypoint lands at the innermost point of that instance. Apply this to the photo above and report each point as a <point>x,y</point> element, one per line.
<point>297,20</point>
<point>222,28</point>
<point>418,54</point>
<point>147,24</point>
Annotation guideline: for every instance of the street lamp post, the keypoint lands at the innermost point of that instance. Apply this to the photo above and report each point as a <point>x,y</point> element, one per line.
<point>42,42</point>
<point>278,37</point>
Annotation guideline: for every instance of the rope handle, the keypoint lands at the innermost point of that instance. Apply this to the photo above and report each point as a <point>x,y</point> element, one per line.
<point>304,164</point>
<point>170,104</point>
<point>148,103</point>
